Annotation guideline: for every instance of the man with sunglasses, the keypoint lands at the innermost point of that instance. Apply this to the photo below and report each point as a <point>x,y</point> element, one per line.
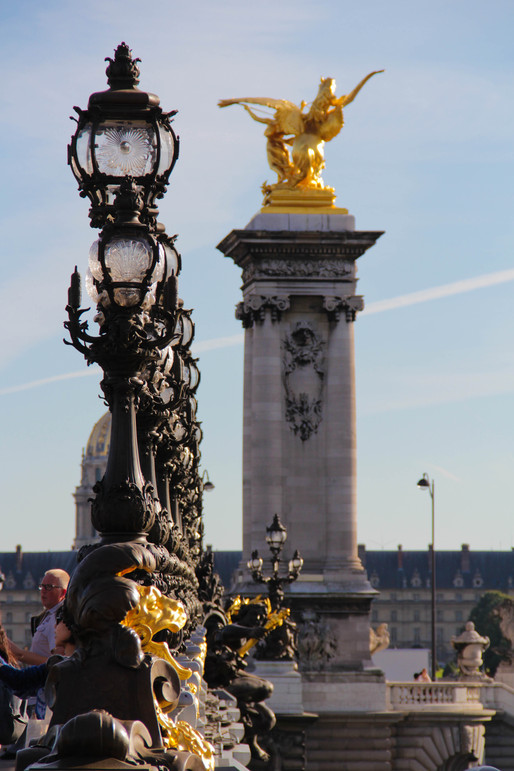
<point>53,591</point>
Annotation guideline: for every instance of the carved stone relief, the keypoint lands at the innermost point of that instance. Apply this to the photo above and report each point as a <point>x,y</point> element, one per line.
<point>317,643</point>
<point>253,308</point>
<point>303,373</point>
<point>326,268</point>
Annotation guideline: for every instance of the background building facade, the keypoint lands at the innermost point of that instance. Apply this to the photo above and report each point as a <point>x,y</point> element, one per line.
<point>403,580</point>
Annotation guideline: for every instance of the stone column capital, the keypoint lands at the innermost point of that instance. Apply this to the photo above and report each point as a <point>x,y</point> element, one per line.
<point>253,308</point>
<point>349,305</point>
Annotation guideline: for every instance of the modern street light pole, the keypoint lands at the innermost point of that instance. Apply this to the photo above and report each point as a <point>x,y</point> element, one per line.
<point>426,484</point>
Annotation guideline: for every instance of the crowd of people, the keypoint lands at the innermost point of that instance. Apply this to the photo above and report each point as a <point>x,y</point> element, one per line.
<point>23,671</point>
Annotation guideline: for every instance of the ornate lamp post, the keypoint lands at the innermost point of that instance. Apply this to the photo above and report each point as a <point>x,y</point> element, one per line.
<point>147,507</point>
<point>425,484</point>
<point>276,538</point>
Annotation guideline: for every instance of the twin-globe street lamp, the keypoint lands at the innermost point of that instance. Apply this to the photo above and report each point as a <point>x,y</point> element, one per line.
<point>426,484</point>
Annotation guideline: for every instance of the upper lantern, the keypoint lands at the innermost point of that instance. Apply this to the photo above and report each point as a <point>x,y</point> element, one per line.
<point>123,133</point>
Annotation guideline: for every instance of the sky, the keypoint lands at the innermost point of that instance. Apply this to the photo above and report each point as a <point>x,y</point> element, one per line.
<point>426,155</point>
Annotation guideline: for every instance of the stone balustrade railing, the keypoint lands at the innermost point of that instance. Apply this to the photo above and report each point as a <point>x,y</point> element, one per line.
<point>436,696</point>
<point>498,696</point>
<point>447,696</point>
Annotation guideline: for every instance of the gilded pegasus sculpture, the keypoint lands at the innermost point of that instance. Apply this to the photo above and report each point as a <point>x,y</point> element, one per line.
<point>296,135</point>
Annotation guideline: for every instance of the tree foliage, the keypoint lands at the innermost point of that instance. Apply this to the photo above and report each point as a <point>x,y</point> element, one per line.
<point>487,623</point>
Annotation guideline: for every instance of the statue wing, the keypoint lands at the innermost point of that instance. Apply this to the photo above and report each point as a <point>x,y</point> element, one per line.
<point>288,116</point>
<point>332,124</point>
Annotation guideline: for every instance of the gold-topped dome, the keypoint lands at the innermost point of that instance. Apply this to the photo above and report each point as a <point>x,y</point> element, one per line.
<point>100,438</point>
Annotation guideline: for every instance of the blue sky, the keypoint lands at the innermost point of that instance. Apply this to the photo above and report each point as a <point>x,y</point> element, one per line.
<point>426,154</point>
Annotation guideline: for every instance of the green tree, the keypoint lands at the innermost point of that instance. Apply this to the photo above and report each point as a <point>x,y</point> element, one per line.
<point>487,623</point>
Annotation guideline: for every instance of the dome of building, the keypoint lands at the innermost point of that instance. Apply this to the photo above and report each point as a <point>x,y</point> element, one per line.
<point>100,438</point>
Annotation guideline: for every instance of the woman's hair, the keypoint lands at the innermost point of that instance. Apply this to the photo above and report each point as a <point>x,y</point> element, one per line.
<point>60,616</point>
<point>5,650</point>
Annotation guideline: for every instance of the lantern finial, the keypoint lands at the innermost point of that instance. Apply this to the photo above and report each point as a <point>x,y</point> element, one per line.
<point>122,71</point>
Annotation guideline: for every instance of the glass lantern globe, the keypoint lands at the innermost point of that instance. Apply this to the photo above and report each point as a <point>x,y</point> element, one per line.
<point>127,266</point>
<point>296,563</point>
<point>122,133</point>
<point>277,534</point>
<point>255,563</point>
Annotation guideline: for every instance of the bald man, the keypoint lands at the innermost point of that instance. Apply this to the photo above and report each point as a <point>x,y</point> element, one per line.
<point>53,591</point>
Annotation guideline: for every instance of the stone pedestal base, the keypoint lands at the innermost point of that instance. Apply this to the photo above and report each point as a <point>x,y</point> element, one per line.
<point>337,692</point>
<point>286,698</point>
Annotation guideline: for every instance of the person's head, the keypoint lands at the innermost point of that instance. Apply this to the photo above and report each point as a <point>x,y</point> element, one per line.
<point>63,634</point>
<point>5,650</point>
<point>53,587</point>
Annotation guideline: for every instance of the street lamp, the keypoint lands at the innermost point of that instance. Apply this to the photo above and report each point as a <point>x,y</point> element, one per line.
<point>426,484</point>
<point>206,482</point>
<point>276,538</point>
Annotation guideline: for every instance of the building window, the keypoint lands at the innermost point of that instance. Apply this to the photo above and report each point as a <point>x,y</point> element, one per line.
<point>416,579</point>
<point>9,633</point>
<point>28,636</point>
<point>394,634</point>
<point>27,618</point>
<point>29,582</point>
<point>415,597</point>
<point>416,615</point>
<point>393,597</point>
<point>374,615</point>
<point>8,617</point>
<point>440,597</point>
<point>417,635</point>
<point>440,615</point>
<point>458,615</point>
<point>478,581</point>
<point>458,596</point>
<point>458,580</point>
<point>10,582</point>
<point>394,615</point>
<point>439,635</point>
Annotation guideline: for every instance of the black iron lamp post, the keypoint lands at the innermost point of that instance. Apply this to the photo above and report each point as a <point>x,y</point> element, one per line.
<point>122,154</point>
<point>276,538</point>
<point>147,508</point>
<point>426,484</point>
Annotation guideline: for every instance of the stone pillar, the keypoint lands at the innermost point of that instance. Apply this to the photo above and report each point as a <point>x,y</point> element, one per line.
<point>299,439</point>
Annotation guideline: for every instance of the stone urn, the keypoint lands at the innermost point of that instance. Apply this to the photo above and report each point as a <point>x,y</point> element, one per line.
<point>470,647</point>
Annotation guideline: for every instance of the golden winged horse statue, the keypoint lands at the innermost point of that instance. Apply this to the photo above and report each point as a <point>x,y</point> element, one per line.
<point>296,135</point>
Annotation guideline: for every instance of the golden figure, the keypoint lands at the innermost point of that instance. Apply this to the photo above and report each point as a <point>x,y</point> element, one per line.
<point>274,618</point>
<point>154,613</point>
<point>296,141</point>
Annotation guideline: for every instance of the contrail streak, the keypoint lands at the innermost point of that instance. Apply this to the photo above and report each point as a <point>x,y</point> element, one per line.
<point>54,379</point>
<point>446,290</point>
<point>402,301</point>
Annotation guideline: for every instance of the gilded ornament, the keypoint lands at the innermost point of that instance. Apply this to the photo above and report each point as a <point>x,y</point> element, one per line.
<point>154,613</point>
<point>296,137</point>
<point>275,618</point>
